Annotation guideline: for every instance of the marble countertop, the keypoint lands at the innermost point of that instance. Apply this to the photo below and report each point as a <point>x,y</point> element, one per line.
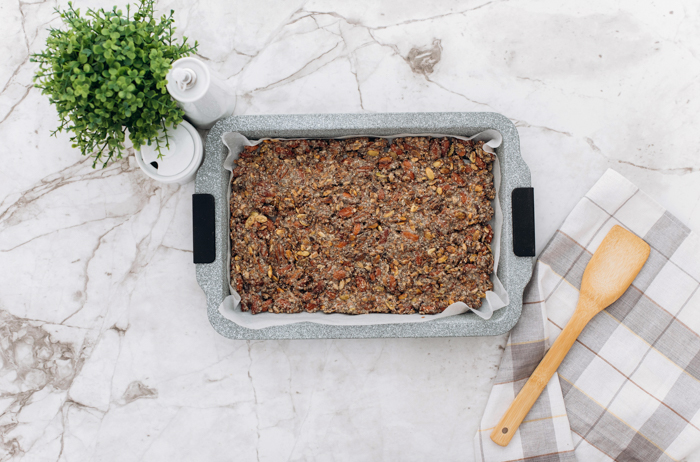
<point>106,350</point>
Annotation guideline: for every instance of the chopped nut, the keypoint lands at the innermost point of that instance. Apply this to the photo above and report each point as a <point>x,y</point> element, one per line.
<point>411,236</point>
<point>251,219</point>
<point>340,274</point>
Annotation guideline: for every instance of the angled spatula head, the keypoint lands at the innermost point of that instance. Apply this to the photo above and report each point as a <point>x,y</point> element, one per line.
<point>612,268</point>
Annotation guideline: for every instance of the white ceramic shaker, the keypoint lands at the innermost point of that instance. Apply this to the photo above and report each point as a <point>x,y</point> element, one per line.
<point>178,163</point>
<point>204,96</point>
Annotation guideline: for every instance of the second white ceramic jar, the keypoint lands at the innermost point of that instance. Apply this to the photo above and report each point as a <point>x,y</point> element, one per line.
<point>200,92</point>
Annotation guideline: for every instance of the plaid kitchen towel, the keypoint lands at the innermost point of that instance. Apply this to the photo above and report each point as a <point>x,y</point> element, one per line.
<point>629,389</point>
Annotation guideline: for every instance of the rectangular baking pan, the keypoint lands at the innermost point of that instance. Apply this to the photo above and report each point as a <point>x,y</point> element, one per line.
<point>514,271</point>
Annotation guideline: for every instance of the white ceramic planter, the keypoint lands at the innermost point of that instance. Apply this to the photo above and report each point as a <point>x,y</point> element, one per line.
<point>180,162</point>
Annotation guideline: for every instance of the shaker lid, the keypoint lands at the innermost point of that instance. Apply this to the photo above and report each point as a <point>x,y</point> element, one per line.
<point>175,159</point>
<point>188,80</point>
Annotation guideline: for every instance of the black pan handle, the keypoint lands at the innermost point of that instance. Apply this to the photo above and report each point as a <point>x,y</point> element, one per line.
<point>523,200</point>
<point>203,228</point>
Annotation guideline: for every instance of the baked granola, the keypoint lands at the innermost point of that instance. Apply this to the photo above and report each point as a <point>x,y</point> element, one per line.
<point>362,225</point>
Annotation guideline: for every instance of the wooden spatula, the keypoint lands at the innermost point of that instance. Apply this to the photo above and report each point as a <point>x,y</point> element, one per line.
<point>610,272</point>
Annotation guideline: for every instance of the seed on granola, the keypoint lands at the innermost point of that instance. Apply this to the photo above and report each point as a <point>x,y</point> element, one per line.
<point>372,153</point>
<point>429,173</point>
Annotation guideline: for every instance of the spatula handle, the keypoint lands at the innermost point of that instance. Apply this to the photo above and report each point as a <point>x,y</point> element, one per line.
<point>514,416</point>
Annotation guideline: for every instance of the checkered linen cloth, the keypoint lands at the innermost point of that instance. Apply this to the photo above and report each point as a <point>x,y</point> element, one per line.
<point>629,389</point>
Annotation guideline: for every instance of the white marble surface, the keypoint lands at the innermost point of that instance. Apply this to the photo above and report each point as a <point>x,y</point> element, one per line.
<point>106,350</point>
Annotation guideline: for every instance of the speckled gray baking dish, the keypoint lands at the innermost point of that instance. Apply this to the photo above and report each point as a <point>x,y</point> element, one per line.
<point>513,271</point>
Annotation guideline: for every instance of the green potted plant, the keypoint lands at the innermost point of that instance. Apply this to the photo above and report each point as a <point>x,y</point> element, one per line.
<point>105,73</point>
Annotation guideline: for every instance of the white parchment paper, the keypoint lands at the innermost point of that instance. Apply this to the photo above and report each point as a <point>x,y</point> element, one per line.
<point>230,308</point>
